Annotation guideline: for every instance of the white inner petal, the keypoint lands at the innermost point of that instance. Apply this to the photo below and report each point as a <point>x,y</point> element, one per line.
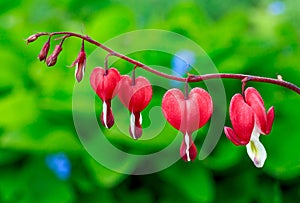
<point>141,119</point>
<point>105,114</point>
<point>76,70</point>
<point>256,150</point>
<point>132,123</point>
<point>83,70</point>
<point>187,143</point>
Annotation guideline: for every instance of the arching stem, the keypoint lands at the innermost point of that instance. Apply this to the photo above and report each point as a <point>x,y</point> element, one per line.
<point>194,78</point>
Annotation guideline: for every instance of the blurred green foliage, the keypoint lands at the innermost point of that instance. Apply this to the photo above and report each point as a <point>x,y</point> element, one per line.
<point>245,36</point>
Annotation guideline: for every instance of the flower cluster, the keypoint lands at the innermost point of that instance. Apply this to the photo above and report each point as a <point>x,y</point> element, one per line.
<point>134,93</point>
<point>51,60</point>
<point>186,111</point>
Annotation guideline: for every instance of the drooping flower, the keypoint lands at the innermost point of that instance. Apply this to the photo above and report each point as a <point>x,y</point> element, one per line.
<point>80,63</point>
<point>105,84</point>
<point>187,114</point>
<point>249,119</point>
<point>135,94</point>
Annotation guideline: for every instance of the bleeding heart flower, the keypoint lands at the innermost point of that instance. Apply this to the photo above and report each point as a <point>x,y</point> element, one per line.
<point>135,95</point>
<point>249,119</point>
<point>187,115</point>
<point>105,84</point>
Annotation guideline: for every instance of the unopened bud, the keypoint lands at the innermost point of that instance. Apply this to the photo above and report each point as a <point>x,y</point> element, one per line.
<point>32,38</point>
<point>51,60</point>
<point>44,52</point>
<point>80,65</point>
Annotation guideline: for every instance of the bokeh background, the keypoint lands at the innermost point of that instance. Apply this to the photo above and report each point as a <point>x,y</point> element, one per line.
<point>41,157</point>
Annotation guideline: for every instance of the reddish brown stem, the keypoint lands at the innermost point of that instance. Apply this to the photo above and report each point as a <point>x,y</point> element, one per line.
<point>133,76</point>
<point>193,78</point>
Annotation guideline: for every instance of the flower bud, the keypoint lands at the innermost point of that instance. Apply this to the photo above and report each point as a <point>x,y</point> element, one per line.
<point>80,65</point>
<point>32,38</point>
<point>51,60</point>
<point>44,52</point>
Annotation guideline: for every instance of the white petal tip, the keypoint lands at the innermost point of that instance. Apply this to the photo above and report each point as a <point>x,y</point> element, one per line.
<point>257,153</point>
<point>187,144</point>
<point>105,114</point>
<point>141,119</point>
<point>132,124</point>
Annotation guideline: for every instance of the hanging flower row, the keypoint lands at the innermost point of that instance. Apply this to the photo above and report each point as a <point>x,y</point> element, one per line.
<point>186,111</point>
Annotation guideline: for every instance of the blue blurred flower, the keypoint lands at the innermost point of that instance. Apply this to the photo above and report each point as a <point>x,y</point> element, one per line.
<point>60,164</point>
<point>276,7</point>
<point>181,64</point>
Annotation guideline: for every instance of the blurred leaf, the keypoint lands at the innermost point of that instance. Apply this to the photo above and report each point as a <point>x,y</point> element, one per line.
<point>39,184</point>
<point>224,156</point>
<point>104,177</point>
<point>54,139</point>
<point>19,109</point>
<point>282,144</point>
<point>34,183</point>
<point>7,156</point>
<point>192,180</point>
<point>110,22</point>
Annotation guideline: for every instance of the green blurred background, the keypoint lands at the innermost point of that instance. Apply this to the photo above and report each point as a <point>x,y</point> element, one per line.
<point>41,157</point>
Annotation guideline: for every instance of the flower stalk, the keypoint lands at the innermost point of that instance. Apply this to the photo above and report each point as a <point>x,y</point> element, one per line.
<point>193,78</point>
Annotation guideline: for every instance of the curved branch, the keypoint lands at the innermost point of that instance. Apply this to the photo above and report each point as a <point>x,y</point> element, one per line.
<point>190,78</point>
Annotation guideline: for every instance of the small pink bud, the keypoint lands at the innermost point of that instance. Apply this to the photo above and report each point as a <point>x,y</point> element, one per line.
<point>32,38</point>
<point>80,63</point>
<point>44,52</point>
<point>51,60</point>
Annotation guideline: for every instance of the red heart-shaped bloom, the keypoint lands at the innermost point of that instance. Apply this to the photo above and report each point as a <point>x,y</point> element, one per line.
<point>135,95</point>
<point>105,84</point>
<point>187,115</point>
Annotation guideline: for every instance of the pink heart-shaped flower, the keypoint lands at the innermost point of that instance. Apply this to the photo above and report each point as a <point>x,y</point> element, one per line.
<point>105,84</point>
<point>187,115</point>
<point>135,95</point>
